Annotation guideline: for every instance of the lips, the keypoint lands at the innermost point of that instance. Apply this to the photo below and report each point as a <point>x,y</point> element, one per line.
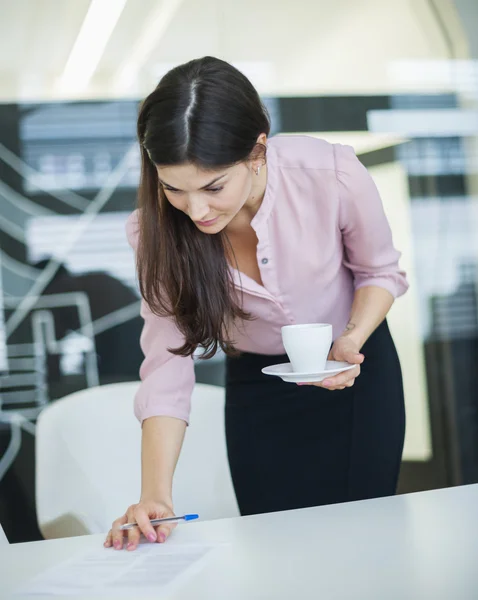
<point>207,223</point>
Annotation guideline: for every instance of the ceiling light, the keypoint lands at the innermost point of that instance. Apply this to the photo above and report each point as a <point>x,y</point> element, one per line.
<point>90,44</point>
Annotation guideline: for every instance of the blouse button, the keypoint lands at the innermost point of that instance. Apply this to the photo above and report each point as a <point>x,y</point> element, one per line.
<point>265,261</point>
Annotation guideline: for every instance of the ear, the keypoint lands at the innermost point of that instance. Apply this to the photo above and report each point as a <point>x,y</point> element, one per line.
<point>259,153</point>
<point>262,139</point>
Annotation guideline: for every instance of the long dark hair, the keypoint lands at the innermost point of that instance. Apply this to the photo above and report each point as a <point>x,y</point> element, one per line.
<point>207,113</point>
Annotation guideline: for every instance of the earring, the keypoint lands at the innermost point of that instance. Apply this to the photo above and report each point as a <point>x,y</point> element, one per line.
<point>258,170</point>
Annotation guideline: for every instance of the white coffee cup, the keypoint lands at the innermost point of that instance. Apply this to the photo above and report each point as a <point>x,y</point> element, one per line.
<point>307,346</point>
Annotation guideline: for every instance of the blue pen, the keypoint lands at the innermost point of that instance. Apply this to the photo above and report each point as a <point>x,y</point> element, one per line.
<point>165,520</point>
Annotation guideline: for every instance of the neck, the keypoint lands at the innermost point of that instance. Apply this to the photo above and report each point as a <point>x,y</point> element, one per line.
<point>252,205</point>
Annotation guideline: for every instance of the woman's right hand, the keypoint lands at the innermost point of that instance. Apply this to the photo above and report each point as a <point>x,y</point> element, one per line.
<point>141,513</point>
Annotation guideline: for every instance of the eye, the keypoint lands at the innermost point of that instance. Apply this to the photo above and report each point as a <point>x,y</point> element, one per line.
<point>215,190</point>
<point>172,190</point>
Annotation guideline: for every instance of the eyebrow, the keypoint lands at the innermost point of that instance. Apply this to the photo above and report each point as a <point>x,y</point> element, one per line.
<point>203,188</point>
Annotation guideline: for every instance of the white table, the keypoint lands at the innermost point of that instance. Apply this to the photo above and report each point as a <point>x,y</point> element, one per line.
<point>418,546</point>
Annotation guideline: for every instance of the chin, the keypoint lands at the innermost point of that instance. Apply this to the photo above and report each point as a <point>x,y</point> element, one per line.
<point>211,230</point>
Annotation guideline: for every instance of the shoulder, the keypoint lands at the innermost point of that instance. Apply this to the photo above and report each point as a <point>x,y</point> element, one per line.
<point>132,229</point>
<point>307,152</point>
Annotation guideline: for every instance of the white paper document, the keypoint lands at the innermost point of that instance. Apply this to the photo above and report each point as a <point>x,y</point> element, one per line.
<point>158,568</point>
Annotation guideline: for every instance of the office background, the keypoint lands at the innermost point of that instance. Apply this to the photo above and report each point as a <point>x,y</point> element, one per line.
<point>397,80</point>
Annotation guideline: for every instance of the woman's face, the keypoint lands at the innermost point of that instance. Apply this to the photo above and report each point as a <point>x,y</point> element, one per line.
<point>210,198</point>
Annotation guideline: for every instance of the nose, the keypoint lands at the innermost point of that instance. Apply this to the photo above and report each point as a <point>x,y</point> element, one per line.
<point>198,209</point>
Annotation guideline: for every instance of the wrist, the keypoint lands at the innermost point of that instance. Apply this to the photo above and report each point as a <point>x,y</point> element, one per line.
<point>355,334</point>
<point>157,496</point>
<point>166,502</point>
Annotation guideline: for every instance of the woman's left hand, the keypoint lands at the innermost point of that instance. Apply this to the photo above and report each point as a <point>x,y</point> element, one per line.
<point>344,349</point>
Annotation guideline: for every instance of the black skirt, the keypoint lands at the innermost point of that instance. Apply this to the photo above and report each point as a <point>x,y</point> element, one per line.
<point>293,446</point>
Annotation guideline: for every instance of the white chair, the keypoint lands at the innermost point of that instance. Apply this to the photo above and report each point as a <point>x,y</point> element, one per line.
<point>3,538</point>
<point>88,470</point>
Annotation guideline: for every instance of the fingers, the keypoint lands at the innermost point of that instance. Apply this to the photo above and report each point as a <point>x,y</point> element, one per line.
<point>117,534</point>
<point>164,531</point>
<point>354,358</point>
<point>109,539</point>
<point>142,518</point>
<point>134,534</point>
<point>140,514</point>
<point>342,379</point>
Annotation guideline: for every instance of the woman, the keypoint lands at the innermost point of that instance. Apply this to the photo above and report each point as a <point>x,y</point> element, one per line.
<point>237,235</point>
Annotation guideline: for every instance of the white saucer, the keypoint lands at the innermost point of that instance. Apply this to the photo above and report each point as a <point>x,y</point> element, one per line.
<point>332,367</point>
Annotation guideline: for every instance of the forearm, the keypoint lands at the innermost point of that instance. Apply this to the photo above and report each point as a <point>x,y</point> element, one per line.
<point>162,439</point>
<point>370,307</point>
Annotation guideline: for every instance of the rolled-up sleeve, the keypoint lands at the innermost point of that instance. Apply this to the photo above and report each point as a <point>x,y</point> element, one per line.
<point>167,380</point>
<point>369,250</point>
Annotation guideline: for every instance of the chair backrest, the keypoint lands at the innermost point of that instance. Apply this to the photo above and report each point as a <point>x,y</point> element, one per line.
<point>3,538</point>
<point>88,460</point>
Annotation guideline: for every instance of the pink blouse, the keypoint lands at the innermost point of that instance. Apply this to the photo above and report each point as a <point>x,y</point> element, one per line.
<point>322,233</point>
